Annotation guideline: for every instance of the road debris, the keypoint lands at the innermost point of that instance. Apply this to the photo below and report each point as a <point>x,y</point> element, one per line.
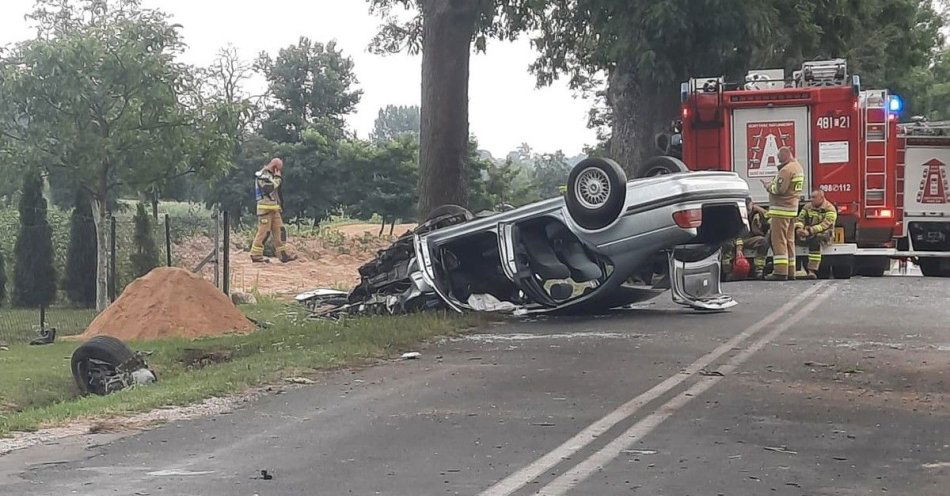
<point>299,380</point>
<point>639,452</point>
<point>104,365</point>
<point>412,355</point>
<point>780,449</point>
<point>819,364</point>
<point>711,373</point>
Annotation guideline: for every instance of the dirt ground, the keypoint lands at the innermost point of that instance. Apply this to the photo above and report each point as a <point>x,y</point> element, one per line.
<point>330,261</point>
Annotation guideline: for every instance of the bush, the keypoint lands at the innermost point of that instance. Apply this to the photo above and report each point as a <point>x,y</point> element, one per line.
<point>80,279</point>
<point>34,277</point>
<point>144,256</point>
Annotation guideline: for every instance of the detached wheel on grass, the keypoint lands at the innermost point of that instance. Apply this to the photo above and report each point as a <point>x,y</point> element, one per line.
<point>596,191</point>
<point>96,360</point>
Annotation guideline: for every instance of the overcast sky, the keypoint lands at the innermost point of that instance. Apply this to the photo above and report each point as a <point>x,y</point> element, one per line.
<point>506,108</point>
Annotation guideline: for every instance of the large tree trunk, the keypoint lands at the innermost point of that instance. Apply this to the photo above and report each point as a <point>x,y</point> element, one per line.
<point>448,27</point>
<point>100,218</point>
<point>640,110</point>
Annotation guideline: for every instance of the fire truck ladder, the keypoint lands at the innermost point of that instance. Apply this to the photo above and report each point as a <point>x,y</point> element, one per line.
<point>875,147</point>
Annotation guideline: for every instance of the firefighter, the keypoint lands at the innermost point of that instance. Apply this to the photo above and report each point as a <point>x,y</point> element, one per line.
<point>784,191</point>
<point>814,228</point>
<point>758,239</point>
<point>267,183</point>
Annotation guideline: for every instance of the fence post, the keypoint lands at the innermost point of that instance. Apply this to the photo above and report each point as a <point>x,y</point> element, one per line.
<point>168,243</point>
<point>226,255</point>
<point>112,269</point>
<point>42,317</point>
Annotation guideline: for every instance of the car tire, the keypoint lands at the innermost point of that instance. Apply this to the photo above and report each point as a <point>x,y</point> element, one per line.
<point>103,348</point>
<point>446,210</point>
<point>661,165</point>
<point>596,191</point>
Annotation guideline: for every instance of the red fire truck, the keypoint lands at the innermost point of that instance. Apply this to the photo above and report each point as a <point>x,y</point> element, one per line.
<point>888,181</point>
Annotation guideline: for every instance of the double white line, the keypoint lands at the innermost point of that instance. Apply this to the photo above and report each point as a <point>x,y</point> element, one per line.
<point>566,481</point>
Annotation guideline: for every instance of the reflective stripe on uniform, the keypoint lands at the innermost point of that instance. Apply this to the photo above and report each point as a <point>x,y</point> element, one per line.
<point>814,256</point>
<point>781,212</point>
<point>779,260</point>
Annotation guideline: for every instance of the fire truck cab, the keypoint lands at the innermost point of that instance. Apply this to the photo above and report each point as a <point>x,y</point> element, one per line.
<point>848,141</point>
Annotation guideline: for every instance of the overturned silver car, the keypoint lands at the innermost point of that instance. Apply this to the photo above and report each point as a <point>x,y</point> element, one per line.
<point>607,243</point>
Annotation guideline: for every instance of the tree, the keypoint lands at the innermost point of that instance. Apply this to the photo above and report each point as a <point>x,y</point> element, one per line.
<point>380,179</point>
<point>98,95</point>
<point>308,83</point>
<point>444,30</point>
<point>646,48</point>
<point>34,278</point>
<point>80,278</point>
<point>144,255</point>
<point>550,174</point>
<point>395,121</point>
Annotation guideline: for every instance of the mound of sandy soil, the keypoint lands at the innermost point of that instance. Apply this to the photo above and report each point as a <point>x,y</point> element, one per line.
<point>169,302</point>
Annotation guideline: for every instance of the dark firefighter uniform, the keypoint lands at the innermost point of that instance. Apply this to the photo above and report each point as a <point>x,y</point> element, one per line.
<point>818,224</point>
<point>756,240</point>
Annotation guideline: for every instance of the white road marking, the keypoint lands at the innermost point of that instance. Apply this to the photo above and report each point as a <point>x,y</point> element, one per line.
<point>522,336</point>
<point>519,479</point>
<point>179,473</point>
<point>570,479</point>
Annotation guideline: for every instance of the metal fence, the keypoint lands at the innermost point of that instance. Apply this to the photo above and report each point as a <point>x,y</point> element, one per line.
<point>192,240</point>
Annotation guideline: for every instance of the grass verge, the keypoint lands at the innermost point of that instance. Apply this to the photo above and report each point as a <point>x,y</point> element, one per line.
<point>37,389</point>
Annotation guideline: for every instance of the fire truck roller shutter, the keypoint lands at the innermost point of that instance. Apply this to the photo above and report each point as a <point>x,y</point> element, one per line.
<point>659,166</point>
<point>758,134</point>
<point>596,191</point>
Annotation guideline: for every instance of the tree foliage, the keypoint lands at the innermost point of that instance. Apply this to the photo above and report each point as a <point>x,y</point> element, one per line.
<point>394,122</point>
<point>80,278</point>
<point>34,277</point>
<point>308,83</point>
<point>99,95</point>
<point>144,256</point>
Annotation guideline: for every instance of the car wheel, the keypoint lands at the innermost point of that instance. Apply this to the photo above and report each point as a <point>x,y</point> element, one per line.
<point>596,190</point>
<point>447,210</point>
<point>660,166</point>
<point>97,359</point>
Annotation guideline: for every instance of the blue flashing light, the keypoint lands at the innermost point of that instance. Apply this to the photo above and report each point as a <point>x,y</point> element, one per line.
<point>895,104</point>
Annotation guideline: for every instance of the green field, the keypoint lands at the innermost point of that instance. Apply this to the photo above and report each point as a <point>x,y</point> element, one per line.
<point>37,389</point>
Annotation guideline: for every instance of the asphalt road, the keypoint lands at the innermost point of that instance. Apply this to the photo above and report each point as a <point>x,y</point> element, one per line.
<point>836,387</point>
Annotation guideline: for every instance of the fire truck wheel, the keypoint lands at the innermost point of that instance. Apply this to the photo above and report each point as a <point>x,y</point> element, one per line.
<point>660,166</point>
<point>930,267</point>
<point>843,270</point>
<point>824,271</point>
<point>596,190</point>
